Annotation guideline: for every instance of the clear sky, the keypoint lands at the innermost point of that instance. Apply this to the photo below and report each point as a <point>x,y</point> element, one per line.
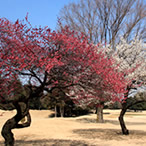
<point>41,12</point>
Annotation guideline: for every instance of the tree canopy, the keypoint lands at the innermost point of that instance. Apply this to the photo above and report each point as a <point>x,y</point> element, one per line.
<point>43,60</point>
<point>104,21</point>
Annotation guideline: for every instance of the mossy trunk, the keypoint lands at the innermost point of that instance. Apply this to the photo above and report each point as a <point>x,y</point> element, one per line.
<point>22,111</point>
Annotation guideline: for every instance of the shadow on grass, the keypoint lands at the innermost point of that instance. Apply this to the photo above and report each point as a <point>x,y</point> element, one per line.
<point>49,142</point>
<point>109,134</point>
<point>127,123</point>
<point>87,120</point>
<point>102,134</point>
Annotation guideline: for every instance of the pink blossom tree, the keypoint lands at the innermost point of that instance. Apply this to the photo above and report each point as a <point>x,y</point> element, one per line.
<point>43,59</point>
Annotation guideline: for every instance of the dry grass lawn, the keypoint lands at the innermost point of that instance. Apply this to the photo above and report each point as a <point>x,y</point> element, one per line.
<point>79,131</point>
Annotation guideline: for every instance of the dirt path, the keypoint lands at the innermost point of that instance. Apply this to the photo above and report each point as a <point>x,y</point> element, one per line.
<point>80,131</point>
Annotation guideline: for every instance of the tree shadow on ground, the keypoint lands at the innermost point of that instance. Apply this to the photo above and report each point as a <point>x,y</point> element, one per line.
<point>109,134</point>
<point>49,142</point>
<point>89,120</point>
<point>127,123</point>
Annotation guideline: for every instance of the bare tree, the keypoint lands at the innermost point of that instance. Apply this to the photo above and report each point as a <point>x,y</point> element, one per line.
<point>105,20</point>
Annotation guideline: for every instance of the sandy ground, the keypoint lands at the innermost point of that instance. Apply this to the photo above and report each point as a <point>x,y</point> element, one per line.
<point>79,131</point>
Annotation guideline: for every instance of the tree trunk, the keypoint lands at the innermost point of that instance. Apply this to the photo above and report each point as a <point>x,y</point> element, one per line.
<point>125,131</point>
<point>55,110</point>
<point>22,111</point>
<point>125,106</point>
<point>100,114</point>
<point>62,111</point>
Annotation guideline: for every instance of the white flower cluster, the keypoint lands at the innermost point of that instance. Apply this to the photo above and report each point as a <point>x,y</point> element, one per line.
<point>129,56</point>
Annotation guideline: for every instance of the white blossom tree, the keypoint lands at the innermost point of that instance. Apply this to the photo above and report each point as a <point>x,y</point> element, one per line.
<point>131,57</point>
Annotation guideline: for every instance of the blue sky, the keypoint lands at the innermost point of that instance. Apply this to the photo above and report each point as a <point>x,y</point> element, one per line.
<point>41,12</point>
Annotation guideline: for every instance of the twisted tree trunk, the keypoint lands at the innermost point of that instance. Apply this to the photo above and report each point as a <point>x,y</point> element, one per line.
<point>123,111</point>
<point>126,106</point>
<point>125,131</point>
<point>22,111</point>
